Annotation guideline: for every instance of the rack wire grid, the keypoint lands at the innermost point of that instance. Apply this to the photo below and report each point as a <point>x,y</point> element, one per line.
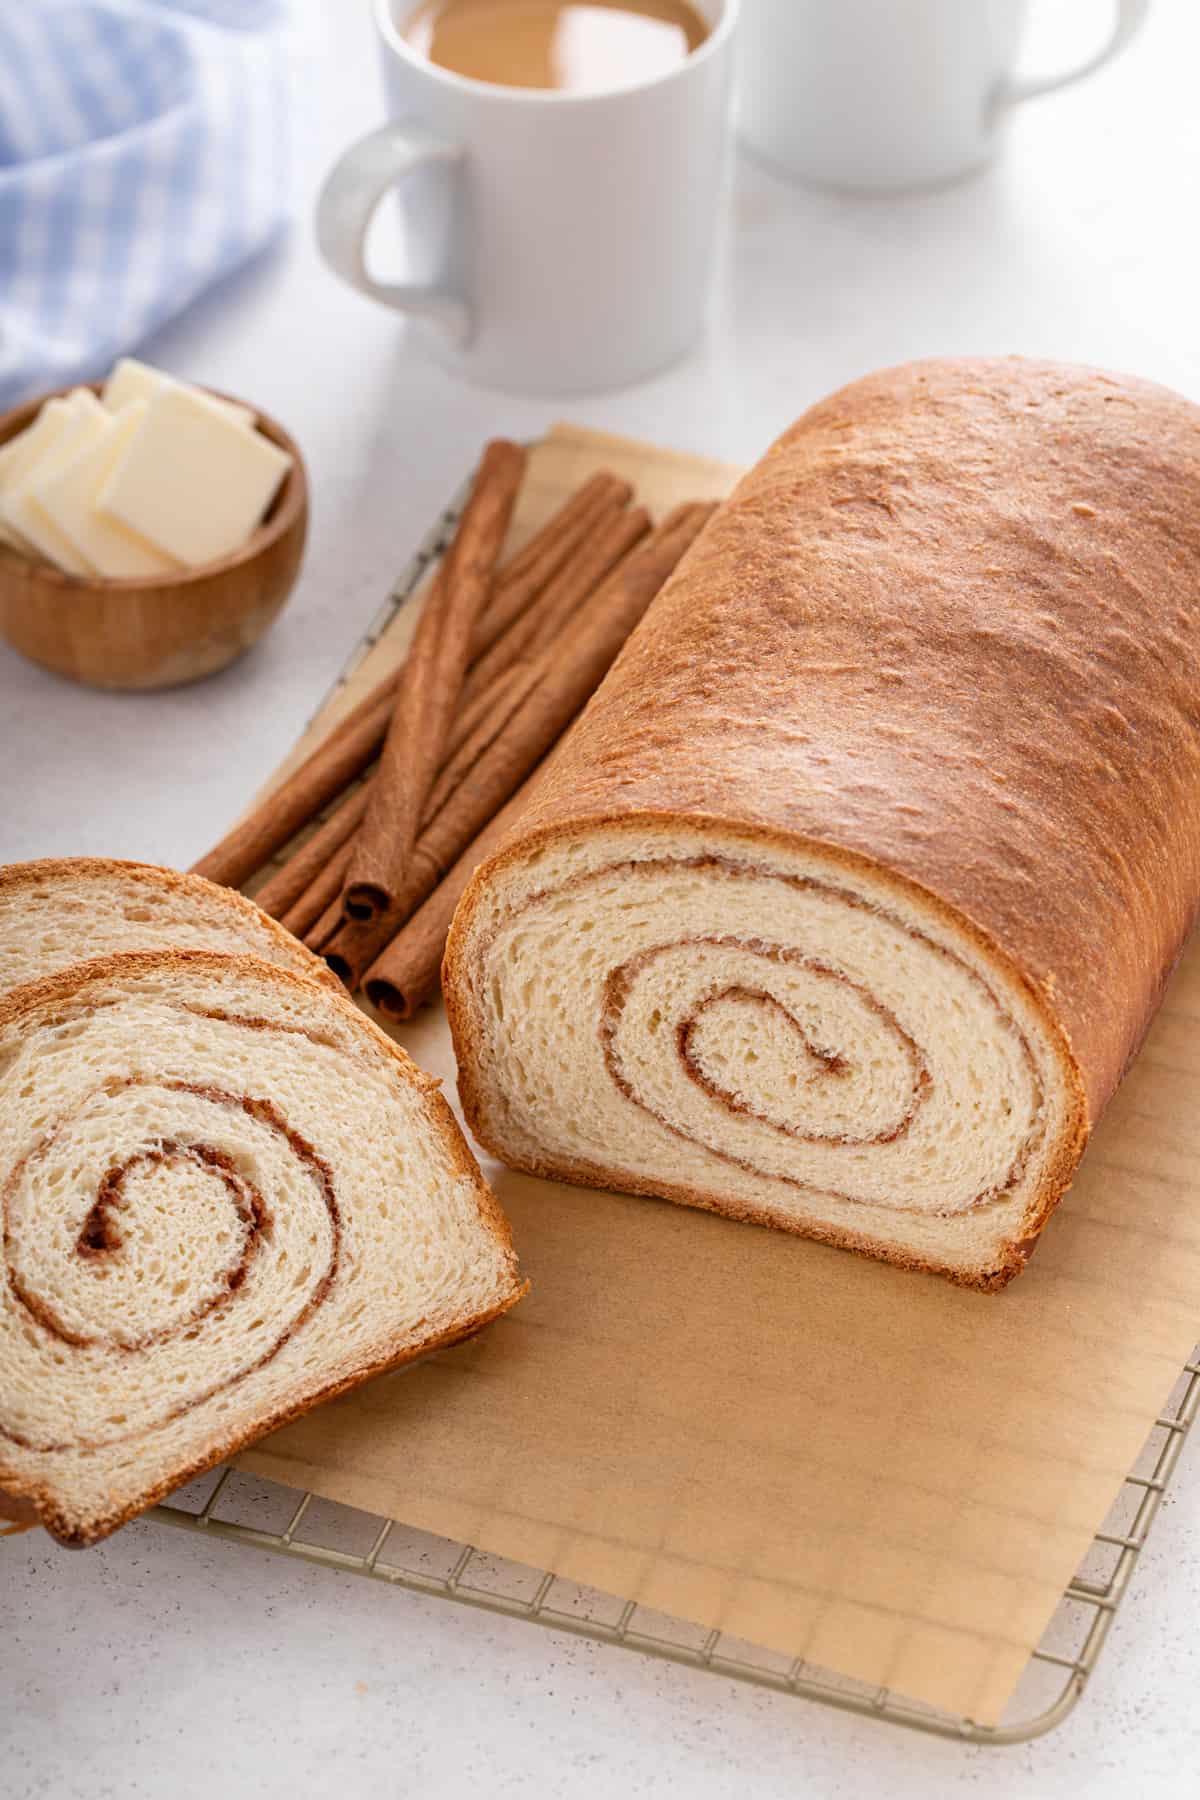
<point>231,1507</point>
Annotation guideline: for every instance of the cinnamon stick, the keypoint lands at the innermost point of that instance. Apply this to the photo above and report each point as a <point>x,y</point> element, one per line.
<point>334,763</point>
<point>569,671</point>
<point>497,706</point>
<point>311,786</point>
<point>279,895</point>
<point>299,900</point>
<point>311,880</point>
<point>526,574</point>
<point>403,977</point>
<point>492,693</point>
<point>615,533</point>
<point>430,685</point>
<point>322,897</point>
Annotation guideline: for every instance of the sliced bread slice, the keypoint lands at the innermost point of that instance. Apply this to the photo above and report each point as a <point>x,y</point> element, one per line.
<point>226,1196</point>
<point>66,910</point>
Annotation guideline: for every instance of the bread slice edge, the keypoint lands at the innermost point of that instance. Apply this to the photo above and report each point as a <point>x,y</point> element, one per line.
<point>14,877</point>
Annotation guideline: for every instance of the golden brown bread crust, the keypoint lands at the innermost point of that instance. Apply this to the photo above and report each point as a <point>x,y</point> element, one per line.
<point>16,878</point>
<point>26,1500</point>
<point>948,622</point>
<point>945,626</point>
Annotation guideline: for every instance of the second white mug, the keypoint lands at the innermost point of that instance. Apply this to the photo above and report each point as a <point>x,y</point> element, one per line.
<point>885,95</point>
<point>570,237</point>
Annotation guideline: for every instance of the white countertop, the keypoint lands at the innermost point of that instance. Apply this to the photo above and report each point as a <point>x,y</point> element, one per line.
<point>160,1663</point>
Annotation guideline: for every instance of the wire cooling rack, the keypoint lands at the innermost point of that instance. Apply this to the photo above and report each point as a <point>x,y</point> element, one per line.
<point>232,1507</point>
<point>235,1508</point>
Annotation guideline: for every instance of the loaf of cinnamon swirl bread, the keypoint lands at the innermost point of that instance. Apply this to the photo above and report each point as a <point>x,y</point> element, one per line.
<point>851,896</point>
<point>226,1196</point>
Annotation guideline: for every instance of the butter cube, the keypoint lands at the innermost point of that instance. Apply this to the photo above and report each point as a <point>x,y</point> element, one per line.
<point>73,431</point>
<point>133,380</point>
<point>68,500</point>
<point>18,456</point>
<point>10,456</point>
<point>13,452</point>
<point>191,480</point>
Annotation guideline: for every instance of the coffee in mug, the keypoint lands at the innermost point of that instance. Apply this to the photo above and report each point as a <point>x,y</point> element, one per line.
<point>565,239</point>
<point>561,44</point>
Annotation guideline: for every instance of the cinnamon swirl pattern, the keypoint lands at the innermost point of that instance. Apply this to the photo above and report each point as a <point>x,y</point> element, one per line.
<point>755,1029</point>
<point>223,1194</point>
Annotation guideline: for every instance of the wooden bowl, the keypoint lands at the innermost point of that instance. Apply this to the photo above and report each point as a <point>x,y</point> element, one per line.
<point>155,631</point>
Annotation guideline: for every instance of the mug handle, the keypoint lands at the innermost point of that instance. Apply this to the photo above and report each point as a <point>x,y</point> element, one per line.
<point>352,190</point>
<point>1131,16</point>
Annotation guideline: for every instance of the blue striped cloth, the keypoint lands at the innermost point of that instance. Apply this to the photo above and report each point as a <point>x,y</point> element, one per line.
<point>143,153</point>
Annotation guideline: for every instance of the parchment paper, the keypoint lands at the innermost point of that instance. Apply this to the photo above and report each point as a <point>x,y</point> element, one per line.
<point>888,1476</point>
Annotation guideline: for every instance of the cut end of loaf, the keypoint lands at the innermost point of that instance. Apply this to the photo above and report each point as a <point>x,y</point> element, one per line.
<point>780,1032</point>
<point>226,1197</point>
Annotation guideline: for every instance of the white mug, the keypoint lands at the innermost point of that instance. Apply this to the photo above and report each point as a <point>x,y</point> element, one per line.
<point>890,94</point>
<point>570,237</point>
